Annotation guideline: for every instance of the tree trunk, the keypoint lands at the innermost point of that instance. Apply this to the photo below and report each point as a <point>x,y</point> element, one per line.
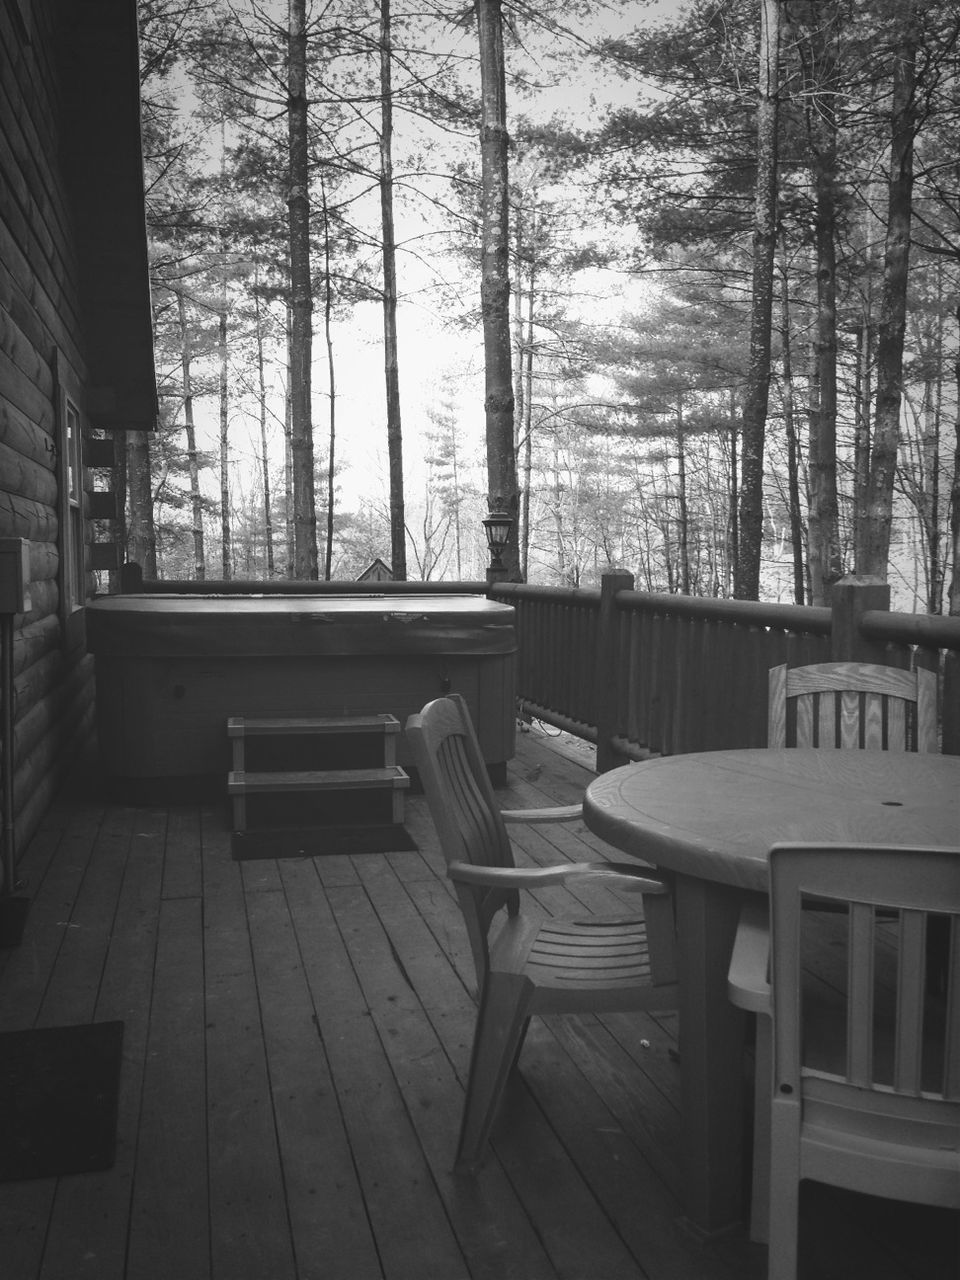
<point>523,381</point>
<point>196,501</point>
<point>288,457</point>
<point>863,394</point>
<point>301,301</point>
<point>793,444</point>
<point>502,492</point>
<point>141,531</point>
<point>823,533</point>
<point>332,383</point>
<point>874,520</point>
<point>756,397</point>
<point>398,533</point>
<point>683,529</point>
<point>264,454</point>
<point>733,530</point>
<point>224,438</point>
<point>953,594</point>
<point>930,474</point>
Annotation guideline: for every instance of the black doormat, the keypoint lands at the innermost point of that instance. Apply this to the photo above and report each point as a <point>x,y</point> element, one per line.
<point>13,918</point>
<point>315,842</point>
<point>58,1100</point>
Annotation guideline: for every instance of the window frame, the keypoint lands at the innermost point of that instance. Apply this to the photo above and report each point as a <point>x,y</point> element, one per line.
<point>72,572</point>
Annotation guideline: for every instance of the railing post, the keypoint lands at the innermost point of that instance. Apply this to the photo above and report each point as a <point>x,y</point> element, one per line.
<point>850,598</point>
<point>609,669</point>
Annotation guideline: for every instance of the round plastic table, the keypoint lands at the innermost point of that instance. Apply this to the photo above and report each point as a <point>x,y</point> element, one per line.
<point>710,819</point>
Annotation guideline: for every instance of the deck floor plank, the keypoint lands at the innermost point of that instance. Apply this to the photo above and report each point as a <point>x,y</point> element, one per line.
<point>30,966</point>
<point>72,993</point>
<point>87,1239</point>
<point>432,1023</point>
<point>406,1211</point>
<point>169,1220</point>
<point>330,1230</point>
<point>249,1229</point>
<point>606,1138</point>
<point>52,871</point>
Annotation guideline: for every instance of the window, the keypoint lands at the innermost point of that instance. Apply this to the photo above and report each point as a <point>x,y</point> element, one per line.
<point>72,575</point>
<point>72,543</point>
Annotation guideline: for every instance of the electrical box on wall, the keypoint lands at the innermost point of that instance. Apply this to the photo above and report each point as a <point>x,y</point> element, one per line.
<point>14,575</point>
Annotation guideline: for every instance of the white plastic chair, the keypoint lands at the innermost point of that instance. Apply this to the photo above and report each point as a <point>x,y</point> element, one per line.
<point>528,966</point>
<point>880,1112</point>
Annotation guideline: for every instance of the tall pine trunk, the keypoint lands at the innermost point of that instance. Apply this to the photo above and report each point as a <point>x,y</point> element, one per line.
<point>332,384</point>
<point>224,397</point>
<point>875,518</point>
<point>683,521</point>
<point>141,531</point>
<point>502,492</point>
<point>523,377</point>
<point>756,397</point>
<point>953,590</point>
<point>391,366</point>
<point>301,300</point>
<point>264,453</point>
<point>196,501</point>
<point>793,440</point>
<point>823,532</point>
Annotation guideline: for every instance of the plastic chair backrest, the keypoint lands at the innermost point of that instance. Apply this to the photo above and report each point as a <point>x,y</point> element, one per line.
<point>853,704</point>
<point>464,809</point>
<point>888,896</point>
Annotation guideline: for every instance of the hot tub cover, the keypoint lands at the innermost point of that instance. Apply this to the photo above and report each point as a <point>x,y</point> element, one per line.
<point>238,626</point>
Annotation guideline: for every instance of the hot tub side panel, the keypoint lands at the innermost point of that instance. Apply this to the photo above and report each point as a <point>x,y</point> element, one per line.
<point>167,717</point>
<point>163,714</point>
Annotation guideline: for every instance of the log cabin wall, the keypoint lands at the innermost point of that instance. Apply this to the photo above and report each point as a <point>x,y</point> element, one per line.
<point>62,304</point>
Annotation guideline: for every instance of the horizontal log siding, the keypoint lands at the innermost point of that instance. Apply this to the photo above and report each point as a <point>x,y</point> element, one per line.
<point>53,696</point>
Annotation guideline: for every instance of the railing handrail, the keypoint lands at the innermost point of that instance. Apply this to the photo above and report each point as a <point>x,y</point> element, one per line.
<point>302,587</point>
<point>926,629</point>
<point>807,618</point>
<point>533,591</point>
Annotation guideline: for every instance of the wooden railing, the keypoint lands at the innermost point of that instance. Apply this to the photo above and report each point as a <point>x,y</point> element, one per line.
<point>642,674</point>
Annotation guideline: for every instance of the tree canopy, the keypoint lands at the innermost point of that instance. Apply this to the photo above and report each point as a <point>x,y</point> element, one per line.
<point>728,257</point>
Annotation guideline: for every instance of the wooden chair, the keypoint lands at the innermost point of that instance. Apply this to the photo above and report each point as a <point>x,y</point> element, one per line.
<point>875,1108</point>
<point>528,966</point>
<point>853,704</point>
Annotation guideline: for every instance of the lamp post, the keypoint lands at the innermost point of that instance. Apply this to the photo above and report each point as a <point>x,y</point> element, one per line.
<point>497,527</point>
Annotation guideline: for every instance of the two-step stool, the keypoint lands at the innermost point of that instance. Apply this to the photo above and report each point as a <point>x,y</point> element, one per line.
<point>355,795</point>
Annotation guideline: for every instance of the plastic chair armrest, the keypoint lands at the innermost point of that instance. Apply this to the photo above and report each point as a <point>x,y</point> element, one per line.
<point>614,874</point>
<point>748,978</point>
<point>559,813</point>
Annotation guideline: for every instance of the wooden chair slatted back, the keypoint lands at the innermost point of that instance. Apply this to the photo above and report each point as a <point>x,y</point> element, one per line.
<point>849,704</point>
<point>874,887</point>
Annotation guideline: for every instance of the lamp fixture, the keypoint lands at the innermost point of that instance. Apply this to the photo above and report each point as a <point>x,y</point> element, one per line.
<point>497,526</point>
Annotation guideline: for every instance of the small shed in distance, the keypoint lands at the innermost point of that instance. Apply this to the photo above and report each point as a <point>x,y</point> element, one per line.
<point>376,572</point>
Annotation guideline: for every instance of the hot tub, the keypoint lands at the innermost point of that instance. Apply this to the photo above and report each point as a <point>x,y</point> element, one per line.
<point>171,669</point>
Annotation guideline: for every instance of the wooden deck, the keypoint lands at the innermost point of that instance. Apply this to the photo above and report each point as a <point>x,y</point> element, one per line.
<point>297,1034</point>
